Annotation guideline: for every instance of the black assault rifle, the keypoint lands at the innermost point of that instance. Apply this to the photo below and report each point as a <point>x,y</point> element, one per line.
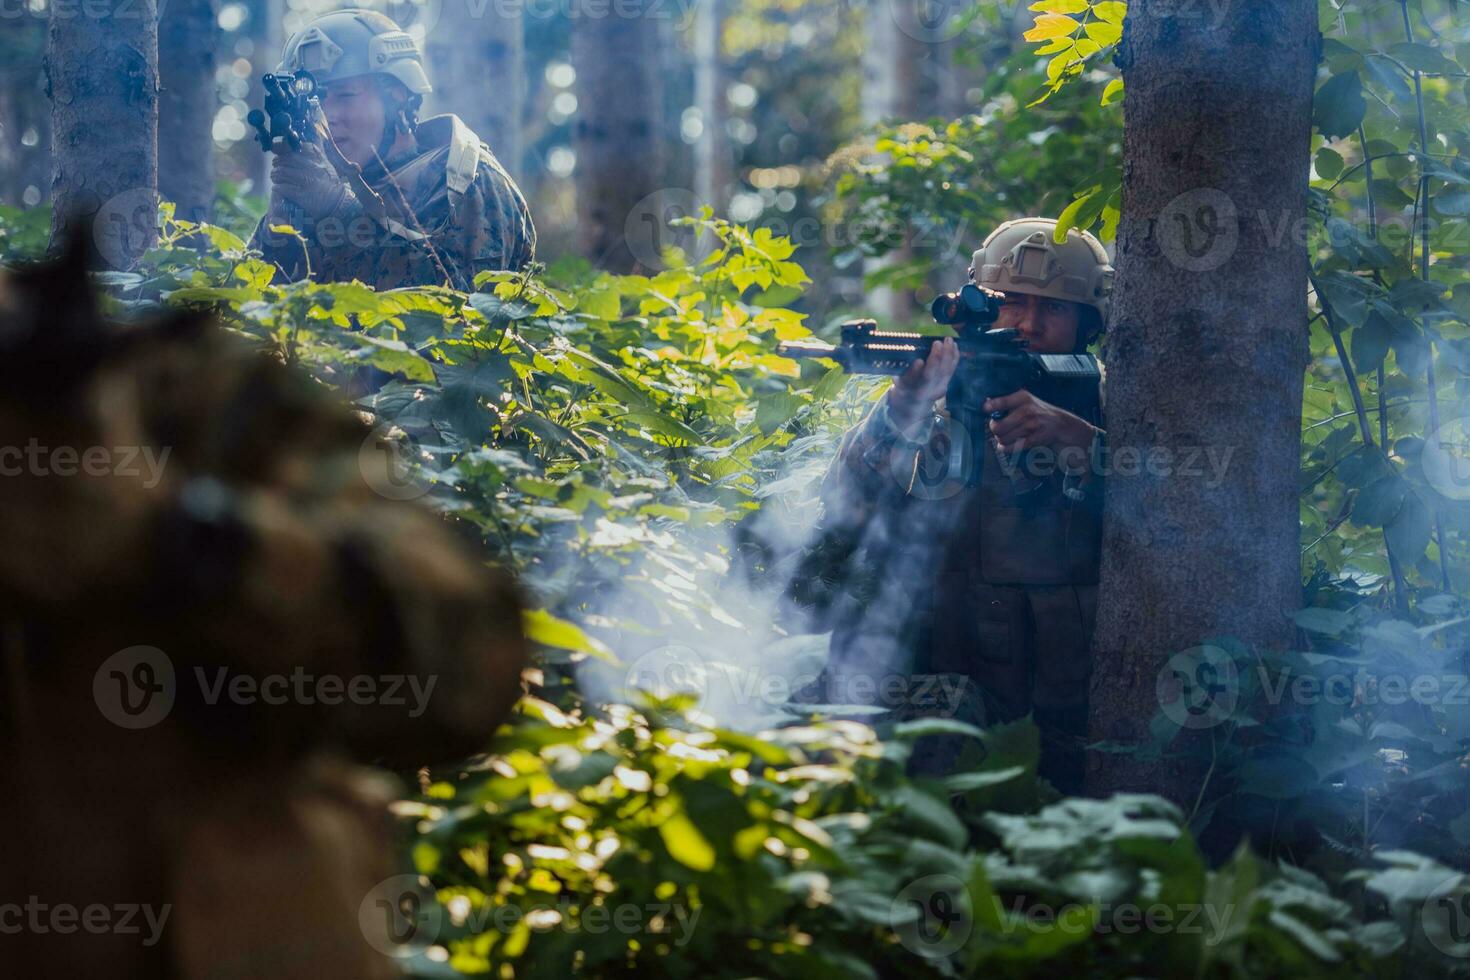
<point>292,115</point>
<point>992,362</point>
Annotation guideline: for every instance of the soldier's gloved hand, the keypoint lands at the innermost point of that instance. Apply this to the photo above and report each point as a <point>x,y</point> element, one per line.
<point>307,180</point>
<point>913,395</point>
<point>1029,421</point>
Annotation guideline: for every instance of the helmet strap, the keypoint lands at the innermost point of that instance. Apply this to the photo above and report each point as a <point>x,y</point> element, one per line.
<point>402,116</point>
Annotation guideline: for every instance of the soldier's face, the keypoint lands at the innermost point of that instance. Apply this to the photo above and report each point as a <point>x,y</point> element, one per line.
<point>1049,326</point>
<point>356,117</point>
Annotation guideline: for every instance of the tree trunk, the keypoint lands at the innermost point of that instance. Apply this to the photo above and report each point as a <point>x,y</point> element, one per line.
<point>714,164</point>
<point>617,134</point>
<point>25,135</point>
<point>891,88</point>
<point>477,60</point>
<point>102,69</point>
<point>267,39</point>
<point>188,41</point>
<point>1205,357</point>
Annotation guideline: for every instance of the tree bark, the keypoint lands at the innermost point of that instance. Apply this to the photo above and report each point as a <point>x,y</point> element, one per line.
<point>891,93</point>
<point>25,112</point>
<point>267,39</point>
<point>25,137</point>
<point>617,132</point>
<point>714,161</point>
<point>1206,354</point>
<point>476,56</point>
<point>188,42</point>
<point>102,73</point>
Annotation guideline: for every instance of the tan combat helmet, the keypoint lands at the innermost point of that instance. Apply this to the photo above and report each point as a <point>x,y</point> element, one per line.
<point>347,43</point>
<point>1023,257</point>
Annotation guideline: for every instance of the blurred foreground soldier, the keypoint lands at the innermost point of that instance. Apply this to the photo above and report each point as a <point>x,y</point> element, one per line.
<point>208,622</point>
<point>995,583</point>
<point>384,198</point>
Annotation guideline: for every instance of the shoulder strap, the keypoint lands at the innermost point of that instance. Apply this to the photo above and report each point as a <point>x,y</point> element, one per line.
<point>464,156</point>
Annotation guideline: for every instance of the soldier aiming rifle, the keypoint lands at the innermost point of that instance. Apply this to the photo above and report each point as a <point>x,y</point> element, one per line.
<point>969,492</point>
<point>375,194</point>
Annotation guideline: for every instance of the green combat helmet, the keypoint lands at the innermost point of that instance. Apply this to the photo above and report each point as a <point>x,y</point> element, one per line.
<point>1023,257</point>
<point>348,43</point>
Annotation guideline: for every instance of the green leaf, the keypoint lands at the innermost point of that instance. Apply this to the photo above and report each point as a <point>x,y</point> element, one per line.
<point>1422,57</point>
<point>1380,501</point>
<point>1408,533</point>
<point>1329,163</point>
<point>1049,26</point>
<point>1340,105</point>
<point>1081,213</point>
<point>685,843</point>
<point>1104,33</point>
<point>1113,92</point>
<point>544,628</point>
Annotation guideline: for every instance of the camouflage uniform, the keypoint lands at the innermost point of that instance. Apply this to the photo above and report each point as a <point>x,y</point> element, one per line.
<point>1006,595</point>
<point>438,214</point>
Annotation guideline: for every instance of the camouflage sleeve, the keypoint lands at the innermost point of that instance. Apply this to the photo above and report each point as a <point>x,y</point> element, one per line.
<point>499,232</point>
<point>868,473</point>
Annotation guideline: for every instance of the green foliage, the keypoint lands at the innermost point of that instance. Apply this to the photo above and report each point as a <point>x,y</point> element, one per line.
<point>592,434</point>
<point>806,852</point>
